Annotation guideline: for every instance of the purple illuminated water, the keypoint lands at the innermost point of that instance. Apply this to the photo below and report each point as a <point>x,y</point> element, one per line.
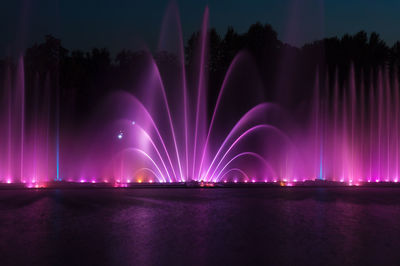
<point>253,226</point>
<point>170,131</point>
<point>357,130</point>
<point>27,143</point>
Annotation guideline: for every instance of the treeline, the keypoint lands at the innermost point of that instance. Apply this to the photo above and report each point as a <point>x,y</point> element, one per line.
<point>288,73</point>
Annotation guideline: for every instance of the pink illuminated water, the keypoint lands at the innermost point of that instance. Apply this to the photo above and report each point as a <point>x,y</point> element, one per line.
<point>27,144</point>
<point>169,131</point>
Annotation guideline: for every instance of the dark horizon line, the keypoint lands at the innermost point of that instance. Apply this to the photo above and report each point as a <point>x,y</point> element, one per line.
<point>113,54</point>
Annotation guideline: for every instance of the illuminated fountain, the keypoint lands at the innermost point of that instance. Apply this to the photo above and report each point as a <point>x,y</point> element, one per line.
<point>166,132</point>
<point>169,133</point>
<point>168,128</point>
<point>357,128</point>
<point>28,148</point>
<point>28,153</point>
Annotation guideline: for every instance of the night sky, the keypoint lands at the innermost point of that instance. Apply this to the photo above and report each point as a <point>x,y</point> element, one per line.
<point>118,24</point>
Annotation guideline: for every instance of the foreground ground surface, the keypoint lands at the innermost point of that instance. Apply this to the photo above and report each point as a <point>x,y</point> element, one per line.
<point>279,226</point>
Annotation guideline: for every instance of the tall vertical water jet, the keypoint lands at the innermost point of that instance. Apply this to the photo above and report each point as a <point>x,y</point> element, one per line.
<point>171,125</point>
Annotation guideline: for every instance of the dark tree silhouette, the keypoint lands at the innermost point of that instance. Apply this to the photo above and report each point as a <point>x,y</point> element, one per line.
<point>84,78</point>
